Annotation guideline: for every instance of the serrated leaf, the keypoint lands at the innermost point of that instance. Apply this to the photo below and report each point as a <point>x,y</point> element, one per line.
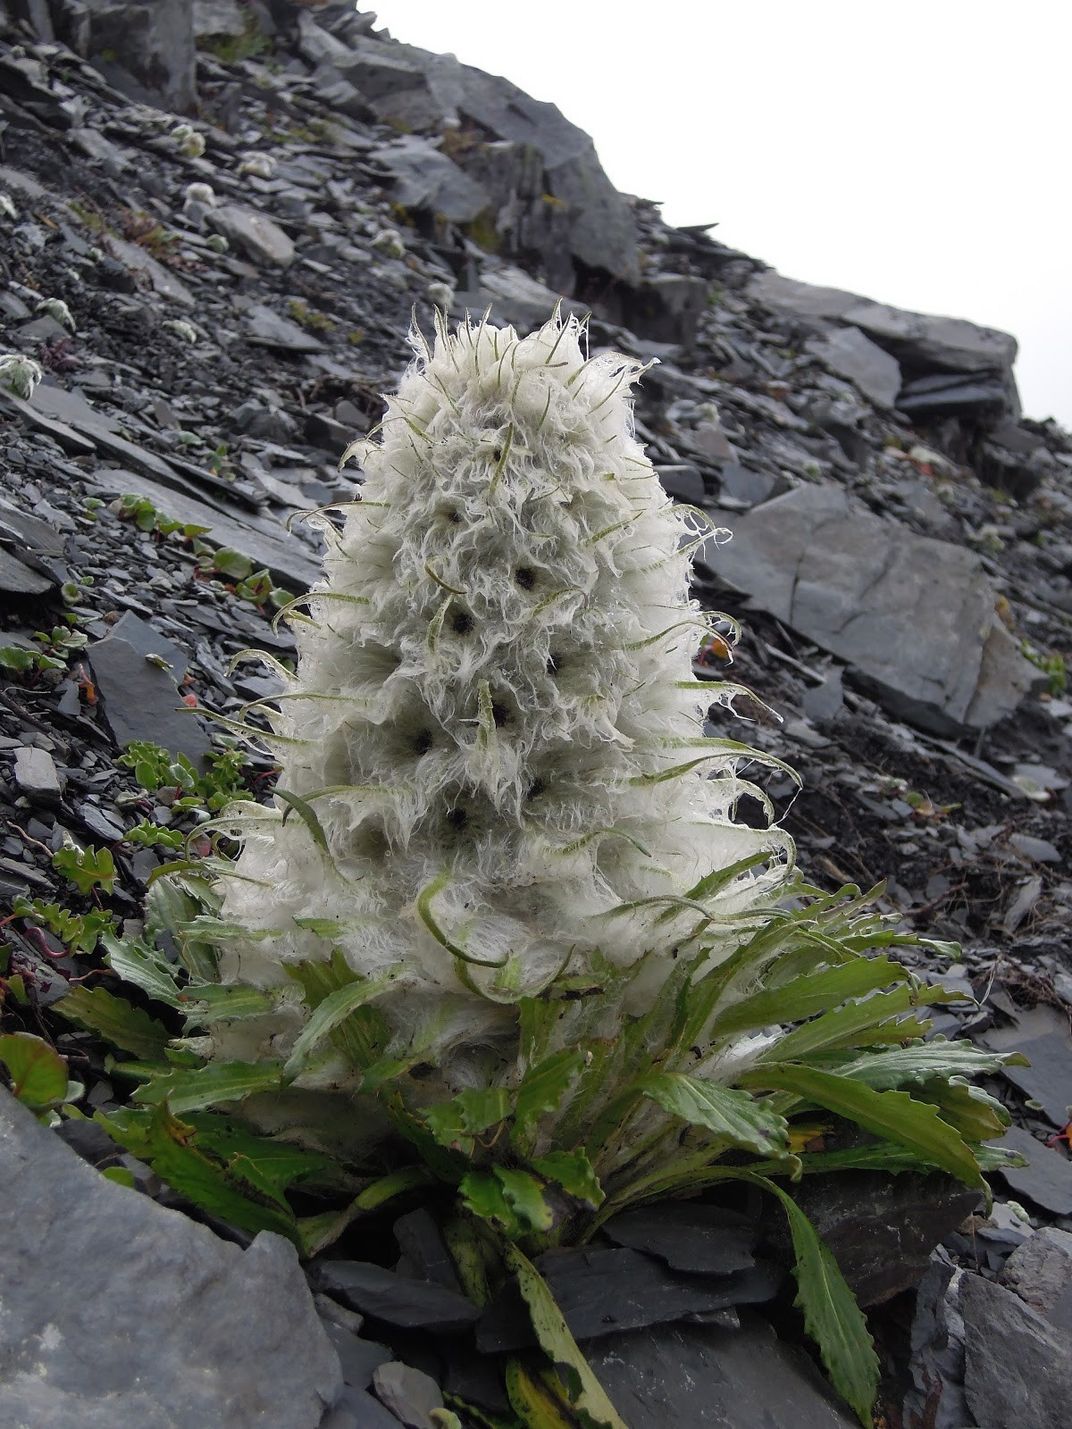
<point>170,1147</point>
<point>142,966</point>
<point>194,1090</point>
<point>853,1024</point>
<point>544,1088</point>
<point>975,1113</point>
<point>574,1173</point>
<point>468,1114</point>
<point>281,1163</point>
<point>117,1021</point>
<point>485,1196</point>
<point>363,1035</point>
<point>86,868</point>
<point>224,1002</point>
<point>899,1065</point>
<point>804,996</point>
<point>732,1115</point>
<point>891,1115</point>
<point>524,1195</point>
<point>38,1073</point>
<point>586,1394</point>
<point>329,1014</point>
<point>831,1315</point>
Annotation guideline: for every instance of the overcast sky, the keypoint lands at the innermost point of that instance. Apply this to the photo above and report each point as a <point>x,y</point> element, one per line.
<point>917,153</point>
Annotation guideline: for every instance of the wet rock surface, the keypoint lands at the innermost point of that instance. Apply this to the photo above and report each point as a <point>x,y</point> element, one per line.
<point>903,534</point>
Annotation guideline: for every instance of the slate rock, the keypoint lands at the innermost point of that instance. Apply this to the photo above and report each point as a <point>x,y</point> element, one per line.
<point>1017,1366</point>
<point>357,1409</point>
<point>410,1394</point>
<point>18,579</point>
<point>515,298</point>
<point>979,395</point>
<point>424,1251</point>
<point>426,178</point>
<point>36,775</point>
<point>1040,1272</point>
<point>397,1299</point>
<point>173,1340</point>
<point>253,233</point>
<point>710,1378</point>
<point>910,613</point>
<point>1046,1180</point>
<point>667,307</point>
<point>145,50</point>
<point>269,329</point>
<point>603,1291</point>
<point>1043,1038</point>
<point>881,1229</point>
<point>695,1238</point>
<point>683,483</point>
<point>850,354</point>
<point>358,1357</point>
<point>925,342</point>
<point>141,701</point>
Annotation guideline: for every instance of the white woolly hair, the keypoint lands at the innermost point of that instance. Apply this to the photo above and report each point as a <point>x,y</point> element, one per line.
<point>494,716</point>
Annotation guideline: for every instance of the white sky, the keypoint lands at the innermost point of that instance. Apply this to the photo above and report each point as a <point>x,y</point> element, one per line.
<point>917,153</point>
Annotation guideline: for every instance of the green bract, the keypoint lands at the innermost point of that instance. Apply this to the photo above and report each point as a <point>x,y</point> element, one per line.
<point>502,941</point>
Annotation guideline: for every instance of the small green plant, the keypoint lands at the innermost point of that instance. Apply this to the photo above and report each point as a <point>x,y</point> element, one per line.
<point>86,868</point>
<point>255,586</point>
<point>309,317</point>
<point>147,517</point>
<point>38,1075</point>
<point>150,835</point>
<point>78,932</point>
<point>157,770</point>
<point>233,49</point>
<point>1053,666</point>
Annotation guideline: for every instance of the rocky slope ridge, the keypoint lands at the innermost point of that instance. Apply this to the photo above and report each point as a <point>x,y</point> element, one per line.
<point>901,530</point>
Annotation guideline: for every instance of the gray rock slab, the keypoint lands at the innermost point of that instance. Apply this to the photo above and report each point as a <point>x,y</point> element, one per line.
<point>397,1299</point>
<point>36,775</point>
<point>805,299</point>
<point>702,1377</point>
<point>410,1394</point>
<point>254,233</point>
<point>145,51</point>
<point>850,354</point>
<point>1048,1080</point>
<point>1017,1366</point>
<point>18,579</point>
<point>141,701</point>
<point>269,329</point>
<point>282,553</point>
<point>358,1357</point>
<point>160,279</point>
<point>695,1238</point>
<point>911,614</point>
<point>1046,1180</point>
<point>926,342</point>
<point>515,298</point>
<point>120,1312</point>
<point>1040,1271</point>
<point>881,1229</point>
<point>425,177</point>
<point>603,1291</point>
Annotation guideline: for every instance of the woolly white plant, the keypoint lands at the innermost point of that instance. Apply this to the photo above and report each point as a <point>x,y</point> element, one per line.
<point>494,716</point>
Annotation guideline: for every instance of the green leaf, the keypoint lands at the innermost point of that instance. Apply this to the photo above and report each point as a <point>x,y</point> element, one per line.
<point>230,562</point>
<point>937,1058</point>
<point>807,995</point>
<point>185,1090</point>
<point>212,1002</point>
<point>427,917</point>
<point>142,966</point>
<point>318,1232</point>
<point>38,1073</point>
<point>893,1116</point>
<point>975,1113</point>
<point>485,1196</point>
<point>467,1115</point>
<point>333,1010</point>
<point>587,1395</point>
<point>574,1173</point>
<point>532,1400</point>
<point>170,1147</point>
<point>16,657</point>
<point>281,1163</point>
<point>733,1116</point>
<point>363,1035</point>
<point>307,814</point>
<point>524,1195</point>
<point>117,1021</point>
<point>87,868</point>
<point>854,1024</point>
<point>831,1315</point>
<point>544,1088</point>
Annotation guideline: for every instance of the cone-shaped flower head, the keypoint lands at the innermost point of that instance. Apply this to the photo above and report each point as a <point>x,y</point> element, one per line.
<point>493,741</point>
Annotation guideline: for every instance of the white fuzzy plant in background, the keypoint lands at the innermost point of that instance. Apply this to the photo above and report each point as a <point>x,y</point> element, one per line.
<point>494,720</point>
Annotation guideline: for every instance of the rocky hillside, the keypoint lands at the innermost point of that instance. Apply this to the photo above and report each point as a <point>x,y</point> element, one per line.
<point>216,222</point>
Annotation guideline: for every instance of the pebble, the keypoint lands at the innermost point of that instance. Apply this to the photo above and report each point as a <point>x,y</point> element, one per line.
<point>37,777</point>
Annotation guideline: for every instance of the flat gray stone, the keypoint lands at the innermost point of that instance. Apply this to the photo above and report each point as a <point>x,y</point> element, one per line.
<point>254,233</point>
<point>36,775</point>
<point>160,279</point>
<point>426,178</point>
<point>411,1304</point>
<point>19,579</point>
<point>911,614</point>
<point>1017,1366</point>
<point>1046,1180</point>
<point>1040,1271</point>
<point>120,1312</point>
<point>270,329</point>
<point>141,701</point>
<point>702,1240</point>
<point>849,354</point>
<point>950,343</point>
<point>410,1394</point>
<point>805,299</point>
<point>704,1377</point>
